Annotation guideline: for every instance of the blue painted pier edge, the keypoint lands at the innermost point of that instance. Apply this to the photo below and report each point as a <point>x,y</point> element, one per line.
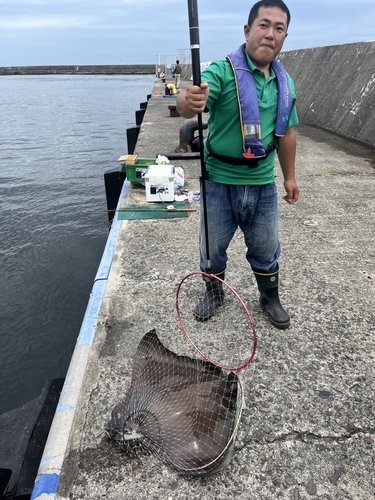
<point>48,477</point>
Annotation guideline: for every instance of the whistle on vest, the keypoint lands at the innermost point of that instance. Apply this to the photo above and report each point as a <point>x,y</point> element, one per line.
<point>248,154</point>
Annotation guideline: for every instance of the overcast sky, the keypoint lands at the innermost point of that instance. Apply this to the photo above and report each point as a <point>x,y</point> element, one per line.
<point>58,32</point>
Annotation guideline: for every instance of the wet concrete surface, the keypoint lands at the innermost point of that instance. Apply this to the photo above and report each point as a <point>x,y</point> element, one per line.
<point>308,429</point>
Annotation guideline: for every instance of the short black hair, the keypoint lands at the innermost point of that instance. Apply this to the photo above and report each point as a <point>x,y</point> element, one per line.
<point>268,3</point>
<point>177,62</point>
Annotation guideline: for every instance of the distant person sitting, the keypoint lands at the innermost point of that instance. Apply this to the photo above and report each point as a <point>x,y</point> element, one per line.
<point>177,73</point>
<point>170,89</point>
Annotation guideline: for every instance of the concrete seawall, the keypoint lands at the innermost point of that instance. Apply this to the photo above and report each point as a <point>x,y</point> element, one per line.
<point>336,88</point>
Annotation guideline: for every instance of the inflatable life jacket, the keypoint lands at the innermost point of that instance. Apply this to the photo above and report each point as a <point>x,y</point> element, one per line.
<point>254,149</point>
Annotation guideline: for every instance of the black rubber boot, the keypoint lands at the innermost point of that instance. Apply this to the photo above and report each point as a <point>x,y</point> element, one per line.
<point>268,284</point>
<point>213,298</point>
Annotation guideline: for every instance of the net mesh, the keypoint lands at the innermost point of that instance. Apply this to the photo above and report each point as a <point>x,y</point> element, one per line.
<point>186,410</point>
<point>215,320</point>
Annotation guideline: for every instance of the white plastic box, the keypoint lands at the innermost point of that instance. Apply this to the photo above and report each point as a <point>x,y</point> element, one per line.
<point>159,183</point>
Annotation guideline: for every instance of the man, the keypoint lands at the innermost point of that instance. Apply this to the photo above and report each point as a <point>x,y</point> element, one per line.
<point>251,101</point>
<point>170,89</point>
<point>177,74</point>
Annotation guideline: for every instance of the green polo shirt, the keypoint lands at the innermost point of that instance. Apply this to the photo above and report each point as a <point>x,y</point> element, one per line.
<point>225,127</point>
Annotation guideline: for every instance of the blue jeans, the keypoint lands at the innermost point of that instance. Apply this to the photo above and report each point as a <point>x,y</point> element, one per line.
<point>253,209</point>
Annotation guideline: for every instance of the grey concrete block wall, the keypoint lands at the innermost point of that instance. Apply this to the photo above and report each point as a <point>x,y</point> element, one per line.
<point>336,88</point>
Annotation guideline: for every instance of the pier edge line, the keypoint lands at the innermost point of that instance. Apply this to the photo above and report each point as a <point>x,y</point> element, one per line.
<point>48,477</point>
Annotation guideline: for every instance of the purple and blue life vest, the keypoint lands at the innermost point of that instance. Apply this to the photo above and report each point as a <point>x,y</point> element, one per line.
<point>248,102</point>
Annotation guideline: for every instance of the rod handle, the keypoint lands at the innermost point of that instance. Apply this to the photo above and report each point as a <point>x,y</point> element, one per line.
<point>194,41</point>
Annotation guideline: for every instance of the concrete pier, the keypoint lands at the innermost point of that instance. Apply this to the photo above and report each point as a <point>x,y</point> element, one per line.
<point>308,430</point>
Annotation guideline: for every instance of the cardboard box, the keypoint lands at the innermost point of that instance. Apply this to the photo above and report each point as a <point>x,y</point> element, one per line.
<point>128,159</point>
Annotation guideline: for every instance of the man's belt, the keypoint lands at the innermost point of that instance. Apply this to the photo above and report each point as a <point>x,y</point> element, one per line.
<point>250,162</point>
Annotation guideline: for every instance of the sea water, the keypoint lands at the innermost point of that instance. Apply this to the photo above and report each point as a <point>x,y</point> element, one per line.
<point>58,136</point>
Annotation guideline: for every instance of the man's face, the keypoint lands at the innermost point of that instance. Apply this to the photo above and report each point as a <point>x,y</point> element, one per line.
<point>265,37</point>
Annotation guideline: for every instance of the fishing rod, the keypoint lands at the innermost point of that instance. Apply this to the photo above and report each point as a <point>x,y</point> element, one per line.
<point>196,67</point>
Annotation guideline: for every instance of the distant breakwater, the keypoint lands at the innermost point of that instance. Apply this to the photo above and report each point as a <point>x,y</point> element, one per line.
<point>116,69</point>
<point>335,85</point>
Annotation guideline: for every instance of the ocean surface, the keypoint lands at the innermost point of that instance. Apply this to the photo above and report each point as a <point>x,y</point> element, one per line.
<point>58,136</point>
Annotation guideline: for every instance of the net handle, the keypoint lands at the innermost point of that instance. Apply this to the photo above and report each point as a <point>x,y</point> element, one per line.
<point>196,67</point>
